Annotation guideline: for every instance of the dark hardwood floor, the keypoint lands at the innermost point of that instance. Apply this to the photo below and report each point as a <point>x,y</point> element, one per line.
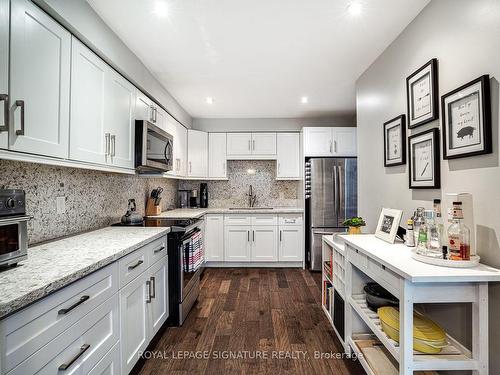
<point>255,316</point>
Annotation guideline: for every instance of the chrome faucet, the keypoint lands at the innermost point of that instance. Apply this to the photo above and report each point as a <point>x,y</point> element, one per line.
<point>251,197</point>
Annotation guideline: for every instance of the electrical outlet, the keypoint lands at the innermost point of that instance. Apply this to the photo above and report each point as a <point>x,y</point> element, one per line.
<point>61,205</point>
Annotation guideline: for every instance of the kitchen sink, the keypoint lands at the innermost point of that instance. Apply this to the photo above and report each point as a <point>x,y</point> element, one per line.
<point>250,208</point>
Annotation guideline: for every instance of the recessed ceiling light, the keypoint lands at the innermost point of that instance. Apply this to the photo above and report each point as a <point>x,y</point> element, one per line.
<point>210,100</point>
<point>160,9</point>
<point>355,8</point>
<point>304,100</point>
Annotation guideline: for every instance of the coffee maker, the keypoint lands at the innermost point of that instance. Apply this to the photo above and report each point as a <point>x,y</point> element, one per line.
<point>203,195</point>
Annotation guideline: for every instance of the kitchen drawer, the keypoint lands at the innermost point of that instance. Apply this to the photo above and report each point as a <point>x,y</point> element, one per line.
<point>357,258</point>
<point>28,330</point>
<point>133,265</point>
<point>264,219</point>
<point>80,347</point>
<point>156,250</point>
<point>290,219</point>
<point>384,274</point>
<point>237,219</point>
<point>110,364</point>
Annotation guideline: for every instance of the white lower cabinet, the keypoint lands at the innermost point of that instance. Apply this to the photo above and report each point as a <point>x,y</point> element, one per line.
<point>214,238</point>
<point>264,243</point>
<point>110,364</point>
<point>237,243</point>
<point>144,309</point>
<point>291,240</point>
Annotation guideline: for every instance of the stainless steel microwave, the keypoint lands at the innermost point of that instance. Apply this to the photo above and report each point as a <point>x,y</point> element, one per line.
<point>154,148</point>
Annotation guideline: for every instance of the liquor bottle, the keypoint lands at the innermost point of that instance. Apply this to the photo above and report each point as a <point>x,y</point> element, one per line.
<point>438,216</point>
<point>458,235</point>
<point>418,219</point>
<point>434,247</point>
<point>422,237</point>
<point>410,237</point>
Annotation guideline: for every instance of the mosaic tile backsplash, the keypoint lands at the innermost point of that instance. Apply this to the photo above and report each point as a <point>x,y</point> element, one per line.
<point>232,193</point>
<point>93,199</point>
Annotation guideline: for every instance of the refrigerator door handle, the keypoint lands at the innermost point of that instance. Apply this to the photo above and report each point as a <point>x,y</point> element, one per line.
<point>340,196</point>
<point>335,192</point>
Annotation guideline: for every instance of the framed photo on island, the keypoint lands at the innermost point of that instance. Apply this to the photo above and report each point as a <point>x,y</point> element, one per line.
<point>388,224</point>
<point>395,141</point>
<point>467,120</point>
<point>424,165</point>
<point>422,95</point>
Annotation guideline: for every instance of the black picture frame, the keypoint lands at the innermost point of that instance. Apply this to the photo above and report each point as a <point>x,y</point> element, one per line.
<point>436,162</point>
<point>431,68</point>
<point>401,119</point>
<point>484,110</point>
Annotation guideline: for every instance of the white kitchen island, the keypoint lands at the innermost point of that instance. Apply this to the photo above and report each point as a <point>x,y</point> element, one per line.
<point>360,259</point>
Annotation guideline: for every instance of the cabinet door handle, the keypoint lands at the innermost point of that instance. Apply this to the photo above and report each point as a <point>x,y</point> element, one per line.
<point>76,304</point>
<point>67,365</point>
<point>5,99</point>
<point>249,145</point>
<point>253,145</point>
<point>331,147</point>
<point>153,287</point>
<point>148,285</point>
<point>253,236</point>
<point>248,236</point>
<point>106,137</point>
<point>159,249</point>
<point>152,114</point>
<point>281,235</point>
<point>20,103</point>
<point>335,146</point>
<point>156,114</point>
<point>137,264</point>
<point>113,145</point>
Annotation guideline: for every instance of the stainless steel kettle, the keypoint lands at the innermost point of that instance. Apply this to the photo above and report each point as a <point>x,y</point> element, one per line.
<point>132,217</point>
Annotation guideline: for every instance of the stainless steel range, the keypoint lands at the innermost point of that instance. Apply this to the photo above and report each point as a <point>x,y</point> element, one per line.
<point>13,227</point>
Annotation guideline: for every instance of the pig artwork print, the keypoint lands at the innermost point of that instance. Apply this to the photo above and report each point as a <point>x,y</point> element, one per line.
<point>466,120</point>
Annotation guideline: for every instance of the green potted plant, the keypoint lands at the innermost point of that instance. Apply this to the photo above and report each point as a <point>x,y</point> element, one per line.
<point>354,224</point>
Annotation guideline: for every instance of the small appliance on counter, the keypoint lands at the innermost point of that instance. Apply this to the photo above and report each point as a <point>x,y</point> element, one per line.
<point>183,198</point>
<point>132,217</point>
<point>203,195</point>
<point>13,227</point>
<point>193,199</point>
<point>153,207</point>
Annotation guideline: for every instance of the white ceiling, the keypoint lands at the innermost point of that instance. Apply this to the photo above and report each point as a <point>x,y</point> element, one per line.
<point>257,58</point>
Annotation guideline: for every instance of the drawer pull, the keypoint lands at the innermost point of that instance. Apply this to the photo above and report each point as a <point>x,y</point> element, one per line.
<point>134,266</point>
<point>148,284</point>
<point>67,310</point>
<point>153,287</point>
<point>66,366</point>
<point>158,250</point>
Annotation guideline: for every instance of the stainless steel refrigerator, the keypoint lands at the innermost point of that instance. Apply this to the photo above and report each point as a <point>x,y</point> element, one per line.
<point>331,197</point>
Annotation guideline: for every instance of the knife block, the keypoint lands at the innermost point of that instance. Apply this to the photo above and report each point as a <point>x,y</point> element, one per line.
<point>151,209</point>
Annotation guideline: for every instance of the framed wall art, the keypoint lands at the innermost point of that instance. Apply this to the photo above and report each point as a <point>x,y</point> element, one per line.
<point>467,120</point>
<point>424,164</point>
<point>422,95</point>
<point>395,141</point>
<point>388,224</point>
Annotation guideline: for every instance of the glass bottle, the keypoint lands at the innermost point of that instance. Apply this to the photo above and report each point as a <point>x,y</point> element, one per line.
<point>438,216</point>
<point>418,219</point>
<point>422,237</point>
<point>434,247</point>
<point>458,235</point>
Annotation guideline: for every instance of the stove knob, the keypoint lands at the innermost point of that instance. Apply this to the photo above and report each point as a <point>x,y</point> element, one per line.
<point>11,203</point>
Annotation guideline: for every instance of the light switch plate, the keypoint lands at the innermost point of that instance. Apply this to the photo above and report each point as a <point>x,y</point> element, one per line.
<point>61,205</point>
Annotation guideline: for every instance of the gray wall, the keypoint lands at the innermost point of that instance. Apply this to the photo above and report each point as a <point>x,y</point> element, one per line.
<point>465,37</point>
<point>268,124</point>
<point>79,17</point>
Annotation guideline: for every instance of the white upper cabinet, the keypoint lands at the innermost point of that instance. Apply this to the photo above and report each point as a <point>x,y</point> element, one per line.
<point>288,165</point>
<point>87,135</point>
<point>143,107</point>
<point>197,153</point>
<point>242,146</point>
<point>161,118</point>
<point>264,144</point>
<point>217,158</point>
<point>344,142</point>
<point>239,144</point>
<point>119,119</point>
<point>322,141</point>
<point>4,73</point>
<point>40,59</point>
<point>179,133</point>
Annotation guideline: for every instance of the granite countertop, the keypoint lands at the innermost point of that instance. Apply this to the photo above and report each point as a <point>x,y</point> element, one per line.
<point>53,265</point>
<point>194,213</point>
